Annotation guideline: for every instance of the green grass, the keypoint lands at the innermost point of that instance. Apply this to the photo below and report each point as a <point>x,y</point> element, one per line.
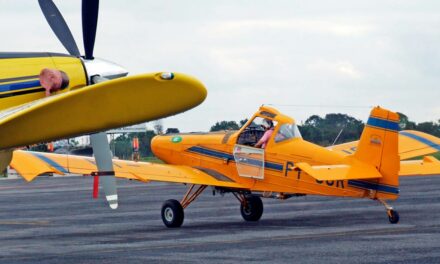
<point>152,159</point>
<point>436,155</point>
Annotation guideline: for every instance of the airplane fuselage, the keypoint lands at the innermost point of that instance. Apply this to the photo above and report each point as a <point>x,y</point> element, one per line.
<point>19,82</point>
<point>213,154</point>
<point>271,169</point>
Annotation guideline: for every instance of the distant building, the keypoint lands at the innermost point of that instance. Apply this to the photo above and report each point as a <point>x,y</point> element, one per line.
<point>172,131</point>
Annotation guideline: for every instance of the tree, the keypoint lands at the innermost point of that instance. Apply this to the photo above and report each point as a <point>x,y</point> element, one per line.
<point>324,131</point>
<point>404,122</point>
<point>314,121</point>
<point>225,125</point>
<point>243,122</point>
<point>158,127</point>
<point>429,127</point>
<point>122,145</point>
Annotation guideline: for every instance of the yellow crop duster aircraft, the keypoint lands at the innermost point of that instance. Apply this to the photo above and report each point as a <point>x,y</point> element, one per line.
<point>50,96</point>
<point>287,166</point>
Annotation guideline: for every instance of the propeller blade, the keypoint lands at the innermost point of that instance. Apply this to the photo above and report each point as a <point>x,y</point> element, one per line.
<point>90,10</point>
<point>59,26</point>
<point>104,163</point>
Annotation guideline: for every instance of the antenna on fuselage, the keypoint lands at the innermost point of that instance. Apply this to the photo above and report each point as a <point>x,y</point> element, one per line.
<point>337,137</point>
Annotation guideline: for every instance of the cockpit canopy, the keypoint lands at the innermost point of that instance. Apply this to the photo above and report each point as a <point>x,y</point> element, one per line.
<point>284,127</point>
<point>287,131</point>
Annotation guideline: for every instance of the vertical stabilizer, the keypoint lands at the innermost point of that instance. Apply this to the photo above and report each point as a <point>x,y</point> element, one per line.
<point>378,146</point>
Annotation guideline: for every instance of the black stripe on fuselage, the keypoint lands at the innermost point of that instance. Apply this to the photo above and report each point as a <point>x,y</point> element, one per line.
<point>18,78</point>
<point>22,92</point>
<point>21,55</point>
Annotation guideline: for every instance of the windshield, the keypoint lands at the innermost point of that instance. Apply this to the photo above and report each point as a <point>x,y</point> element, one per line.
<point>287,131</point>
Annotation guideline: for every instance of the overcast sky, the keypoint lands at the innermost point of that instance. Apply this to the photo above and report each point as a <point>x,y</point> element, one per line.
<point>305,57</point>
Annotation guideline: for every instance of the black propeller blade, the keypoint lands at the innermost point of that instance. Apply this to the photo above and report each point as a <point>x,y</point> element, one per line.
<point>89,22</point>
<point>59,26</point>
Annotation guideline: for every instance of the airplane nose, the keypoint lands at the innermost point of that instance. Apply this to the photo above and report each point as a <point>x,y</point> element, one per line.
<point>167,147</point>
<point>158,147</point>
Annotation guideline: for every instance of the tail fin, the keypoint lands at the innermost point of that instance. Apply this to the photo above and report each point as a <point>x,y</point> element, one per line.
<point>378,146</point>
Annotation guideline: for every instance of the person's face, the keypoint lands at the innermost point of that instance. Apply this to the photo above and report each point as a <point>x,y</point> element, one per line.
<point>51,79</point>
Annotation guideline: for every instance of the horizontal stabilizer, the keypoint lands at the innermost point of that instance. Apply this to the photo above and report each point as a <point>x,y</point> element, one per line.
<point>411,144</point>
<point>340,172</point>
<point>429,166</point>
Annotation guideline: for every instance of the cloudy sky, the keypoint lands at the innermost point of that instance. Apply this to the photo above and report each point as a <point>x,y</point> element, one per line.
<point>304,57</point>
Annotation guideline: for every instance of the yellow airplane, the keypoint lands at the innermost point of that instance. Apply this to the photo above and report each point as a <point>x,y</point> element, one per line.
<point>51,96</point>
<point>286,167</point>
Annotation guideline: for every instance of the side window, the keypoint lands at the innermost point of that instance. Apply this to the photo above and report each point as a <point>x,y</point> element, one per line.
<point>286,132</point>
<point>253,132</point>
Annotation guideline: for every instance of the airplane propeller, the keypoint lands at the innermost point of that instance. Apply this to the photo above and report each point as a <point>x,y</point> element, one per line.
<point>101,149</point>
<point>59,26</point>
<point>90,9</point>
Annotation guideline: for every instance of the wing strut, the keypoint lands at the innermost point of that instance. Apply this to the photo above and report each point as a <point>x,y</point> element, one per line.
<point>104,163</point>
<point>103,158</point>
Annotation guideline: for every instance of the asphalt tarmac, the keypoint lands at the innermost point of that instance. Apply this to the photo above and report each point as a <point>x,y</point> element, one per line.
<point>54,220</point>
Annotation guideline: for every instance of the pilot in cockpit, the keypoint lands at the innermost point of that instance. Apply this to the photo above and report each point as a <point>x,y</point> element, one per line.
<point>268,128</point>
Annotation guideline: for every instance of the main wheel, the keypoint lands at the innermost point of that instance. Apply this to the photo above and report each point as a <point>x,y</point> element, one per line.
<point>393,216</point>
<point>172,213</point>
<point>252,210</point>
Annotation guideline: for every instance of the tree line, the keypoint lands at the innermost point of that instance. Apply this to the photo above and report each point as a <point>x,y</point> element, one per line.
<point>337,128</point>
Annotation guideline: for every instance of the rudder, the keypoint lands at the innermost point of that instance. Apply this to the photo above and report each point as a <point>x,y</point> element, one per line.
<point>378,146</point>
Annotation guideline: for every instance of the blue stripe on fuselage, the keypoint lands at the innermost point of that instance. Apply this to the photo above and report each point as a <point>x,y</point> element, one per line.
<point>222,155</point>
<point>421,139</point>
<point>381,123</point>
<point>211,153</point>
<point>374,186</point>
<point>18,86</point>
<point>50,162</point>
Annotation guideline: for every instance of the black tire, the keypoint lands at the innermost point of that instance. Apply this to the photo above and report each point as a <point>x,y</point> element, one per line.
<point>172,213</point>
<point>393,216</point>
<point>253,209</point>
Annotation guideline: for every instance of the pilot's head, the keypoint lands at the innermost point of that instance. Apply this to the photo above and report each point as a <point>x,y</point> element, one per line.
<point>53,80</point>
<point>267,124</point>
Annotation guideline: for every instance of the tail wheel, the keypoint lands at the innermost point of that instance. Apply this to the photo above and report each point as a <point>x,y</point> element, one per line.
<point>252,208</point>
<point>393,216</point>
<point>172,213</point>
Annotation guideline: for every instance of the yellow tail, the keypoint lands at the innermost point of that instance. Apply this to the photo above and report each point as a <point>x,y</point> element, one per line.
<point>378,146</point>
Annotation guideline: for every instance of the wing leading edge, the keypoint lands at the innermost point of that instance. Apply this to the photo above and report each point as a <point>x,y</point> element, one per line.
<point>411,144</point>
<point>98,107</point>
<point>31,164</point>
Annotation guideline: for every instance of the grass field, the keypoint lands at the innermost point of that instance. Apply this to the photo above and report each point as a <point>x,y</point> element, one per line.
<point>151,159</point>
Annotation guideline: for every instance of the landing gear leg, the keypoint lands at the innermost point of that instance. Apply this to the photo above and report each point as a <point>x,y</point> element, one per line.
<point>172,210</point>
<point>251,206</point>
<point>393,215</point>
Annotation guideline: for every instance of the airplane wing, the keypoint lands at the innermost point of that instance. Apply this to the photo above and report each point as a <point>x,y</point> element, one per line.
<point>357,170</point>
<point>31,164</point>
<point>429,166</point>
<point>411,144</point>
<point>98,107</point>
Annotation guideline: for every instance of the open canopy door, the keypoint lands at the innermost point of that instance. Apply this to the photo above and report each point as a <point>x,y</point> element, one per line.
<point>249,161</point>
